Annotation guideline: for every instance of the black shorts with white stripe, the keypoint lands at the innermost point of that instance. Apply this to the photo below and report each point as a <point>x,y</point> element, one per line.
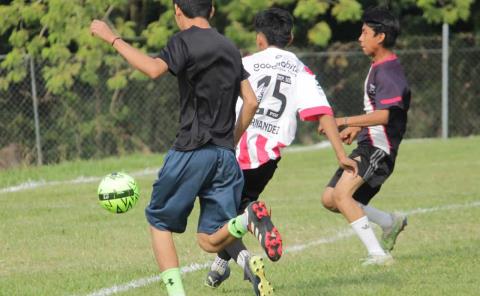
<point>374,166</point>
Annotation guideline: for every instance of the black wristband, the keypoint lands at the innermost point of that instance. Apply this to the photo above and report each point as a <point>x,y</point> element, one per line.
<point>113,42</point>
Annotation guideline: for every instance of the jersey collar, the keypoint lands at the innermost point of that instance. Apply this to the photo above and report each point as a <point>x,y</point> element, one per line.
<point>391,57</point>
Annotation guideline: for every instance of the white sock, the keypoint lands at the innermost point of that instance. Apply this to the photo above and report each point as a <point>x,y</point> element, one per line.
<point>242,258</point>
<point>219,265</point>
<point>245,220</point>
<point>366,235</point>
<point>381,218</point>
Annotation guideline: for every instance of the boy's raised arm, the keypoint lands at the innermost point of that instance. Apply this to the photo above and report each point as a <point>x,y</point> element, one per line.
<point>377,117</point>
<point>152,67</point>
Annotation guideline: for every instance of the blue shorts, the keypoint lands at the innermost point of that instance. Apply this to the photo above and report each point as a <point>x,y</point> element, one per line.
<point>211,173</point>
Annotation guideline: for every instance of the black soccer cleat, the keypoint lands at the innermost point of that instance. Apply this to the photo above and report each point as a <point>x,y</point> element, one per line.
<point>261,226</point>
<point>215,279</point>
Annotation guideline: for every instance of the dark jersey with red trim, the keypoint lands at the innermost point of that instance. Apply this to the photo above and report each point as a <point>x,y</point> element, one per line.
<point>386,88</point>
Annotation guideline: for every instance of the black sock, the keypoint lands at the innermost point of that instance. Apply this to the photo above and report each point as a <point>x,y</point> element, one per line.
<point>235,248</point>
<point>224,255</point>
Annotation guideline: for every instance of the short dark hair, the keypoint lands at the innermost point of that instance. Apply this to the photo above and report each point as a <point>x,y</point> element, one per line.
<point>381,20</point>
<point>276,24</point>
<point>195,8</point>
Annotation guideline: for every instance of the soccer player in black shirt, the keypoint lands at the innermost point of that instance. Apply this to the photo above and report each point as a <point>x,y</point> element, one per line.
<point>202,161</point>
<point>379,133</point>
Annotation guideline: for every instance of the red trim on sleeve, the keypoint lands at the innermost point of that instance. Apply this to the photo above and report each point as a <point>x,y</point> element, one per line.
<point>390,101</point>
<point>307,69</point>
<point>312,114</point>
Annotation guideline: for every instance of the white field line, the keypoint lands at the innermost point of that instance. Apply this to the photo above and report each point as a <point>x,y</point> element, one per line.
<point>80,180</point>
<point>33,184</point>
<point>145,281</point>
<point>342,234</point>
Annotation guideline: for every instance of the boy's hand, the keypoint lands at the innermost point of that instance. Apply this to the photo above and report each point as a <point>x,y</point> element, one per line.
<point>349,134</point>
<point>348,165</point>
<point>103,31</point>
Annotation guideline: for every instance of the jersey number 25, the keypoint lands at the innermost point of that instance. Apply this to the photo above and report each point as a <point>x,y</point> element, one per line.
<point>262,86</point>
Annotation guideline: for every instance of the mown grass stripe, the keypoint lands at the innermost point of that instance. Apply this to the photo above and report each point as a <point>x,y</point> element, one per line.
<point>342,234</point>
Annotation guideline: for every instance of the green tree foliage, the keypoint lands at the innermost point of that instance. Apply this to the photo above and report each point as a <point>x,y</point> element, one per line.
<point>308,13</point>
<point>445,11</point>
<point>55,33</point>
<point>57,30</point>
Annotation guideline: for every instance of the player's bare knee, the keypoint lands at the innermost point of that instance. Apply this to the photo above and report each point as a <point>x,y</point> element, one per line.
<point>327,200</point>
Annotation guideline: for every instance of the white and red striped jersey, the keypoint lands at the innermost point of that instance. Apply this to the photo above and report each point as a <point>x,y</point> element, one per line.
<point>284,87</point>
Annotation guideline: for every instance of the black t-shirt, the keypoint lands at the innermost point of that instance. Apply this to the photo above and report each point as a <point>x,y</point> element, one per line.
<point>209,70</point>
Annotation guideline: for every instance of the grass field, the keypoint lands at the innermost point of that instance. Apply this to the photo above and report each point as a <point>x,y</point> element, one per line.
<point>55,239</point>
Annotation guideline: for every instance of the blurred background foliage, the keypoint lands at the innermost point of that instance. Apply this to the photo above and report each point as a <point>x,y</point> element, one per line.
<point>57,31</point>
<point>93,104</point>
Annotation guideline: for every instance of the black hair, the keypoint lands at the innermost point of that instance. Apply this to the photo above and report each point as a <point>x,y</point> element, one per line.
<point>276,24</point>
<point>381,20</point>
<point>195,8</point>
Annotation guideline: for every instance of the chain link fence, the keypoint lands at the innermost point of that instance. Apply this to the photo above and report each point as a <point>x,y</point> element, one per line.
<point>95,122</point>
<point>342,74</point>
<point>91,122</point>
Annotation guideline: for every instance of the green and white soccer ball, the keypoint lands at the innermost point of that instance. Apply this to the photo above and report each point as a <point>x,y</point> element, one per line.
<point>118,192</point>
